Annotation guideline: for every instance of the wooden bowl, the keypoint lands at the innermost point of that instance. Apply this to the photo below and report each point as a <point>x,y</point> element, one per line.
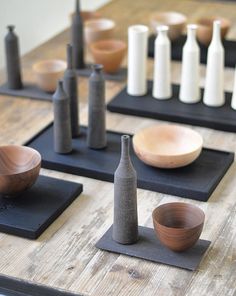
<point>98,29</point>
<point>178,225</point>
<point>174,20</point>
<point>205,28</point>
<point>19,169</point>
<point>109,53</point>
<point>167,146</point>
<point>48,72</point>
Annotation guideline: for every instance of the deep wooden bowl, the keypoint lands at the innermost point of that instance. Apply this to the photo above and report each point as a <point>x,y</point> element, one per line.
<point>19,169</point>
<point>178,225</point>
<point>167,146</point>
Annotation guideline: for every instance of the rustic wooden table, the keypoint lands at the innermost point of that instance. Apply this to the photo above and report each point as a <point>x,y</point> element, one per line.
<point>65,255</point>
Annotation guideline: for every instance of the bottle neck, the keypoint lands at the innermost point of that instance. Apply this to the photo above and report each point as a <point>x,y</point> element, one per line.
<point>69,57</point>
<point>125,143</point>
<point>216,36</point>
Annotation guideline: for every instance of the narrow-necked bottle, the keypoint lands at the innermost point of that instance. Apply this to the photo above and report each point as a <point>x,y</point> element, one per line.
<point>77,39</point>
<point>13,66</point>
<point>214,86</point>
<point>125,220</point>
<point>189,88</point>
<point>70,87</point>
<point>96,135</point>
<point>62,123</point>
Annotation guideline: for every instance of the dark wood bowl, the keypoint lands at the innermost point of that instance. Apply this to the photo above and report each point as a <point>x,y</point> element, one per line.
<point>19,169</point>
<point>178,225</point>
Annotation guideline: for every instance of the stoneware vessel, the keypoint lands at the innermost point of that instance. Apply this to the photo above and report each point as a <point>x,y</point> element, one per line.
<point>70,88</point>
<point>62,137</point>
<point>109,53</point>
<point>125,224</point>
<point>96,133</point>
<point>77,38</point>
<point>98,29</point>
<point>162,65</point>
<point>167,146</point>
<point>189,87</point>
<point>214,85</point>
<point>174,20</point>
<point>233,101</point>
<point>137,60</point>
<point>205,28</point>
<point>19,169</point>
<point>47,73</point>
<point>178,225</point>
<point>13,66</point>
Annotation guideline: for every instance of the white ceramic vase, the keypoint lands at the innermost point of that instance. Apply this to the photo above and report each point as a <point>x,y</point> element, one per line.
<point>233,101</point>
<point>189,88</point>
<point>214,86</point>
<point>162,59</point>
<point>137,60</point>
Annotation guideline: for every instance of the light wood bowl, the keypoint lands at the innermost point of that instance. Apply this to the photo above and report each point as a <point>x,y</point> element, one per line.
<point>19,169</point>
<point>167,146</point>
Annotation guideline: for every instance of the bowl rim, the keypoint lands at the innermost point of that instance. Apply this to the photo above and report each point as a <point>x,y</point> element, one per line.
<point>43,71</point>
<point>94,45</point>
<point>225,22</point>
<point>99,20</point>
<point>182,20</point>
<point>23,148</point>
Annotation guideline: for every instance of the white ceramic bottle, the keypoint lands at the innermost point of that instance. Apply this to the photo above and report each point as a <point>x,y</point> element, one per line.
<point>162,58</point>
<point>189,88</point>
<point>233,101</point>
<point>214,86</point>
<point>137,60</point>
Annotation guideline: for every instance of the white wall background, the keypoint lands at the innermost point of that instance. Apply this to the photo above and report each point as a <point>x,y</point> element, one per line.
<point>37,20</point>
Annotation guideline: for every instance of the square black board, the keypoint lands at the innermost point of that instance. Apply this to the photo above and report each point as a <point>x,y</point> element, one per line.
<point>31,213</point>
<point>177,48</point>
<point>150,248</point>
<point>196,181</point>
<point>219,118</point>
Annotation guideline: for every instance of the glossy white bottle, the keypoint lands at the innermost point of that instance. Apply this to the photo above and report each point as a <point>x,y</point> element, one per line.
<point>214,86</point>
<point>189,88</point>
<point>162,59</point>
<point>233,101</point>
<point>137,60</point>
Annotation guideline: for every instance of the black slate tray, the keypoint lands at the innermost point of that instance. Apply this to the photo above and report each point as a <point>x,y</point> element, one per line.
<point>177,48</point>
<point>219,118</point>
<point>10,286</point>
<point>150,248</point>
<point>31,213</point>
<point>196,181</point>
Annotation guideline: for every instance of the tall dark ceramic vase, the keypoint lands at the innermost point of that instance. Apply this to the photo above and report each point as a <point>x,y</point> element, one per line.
<point>12,60</point>
<point>125,221</point>
<point>62,123</point>
<point>70,88</point>
<point>77,38</point>
<point>96,134</point>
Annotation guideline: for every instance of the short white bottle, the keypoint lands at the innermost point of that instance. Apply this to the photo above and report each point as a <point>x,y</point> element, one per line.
<point>214,86</point>
<point>233,100</point>
<point>162,59</point>
<point>189,88</point>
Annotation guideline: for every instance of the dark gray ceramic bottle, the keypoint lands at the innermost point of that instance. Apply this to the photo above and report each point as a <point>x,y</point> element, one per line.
<point>125,223</point>
<point>77,38</point>
<point>96,135</point>
<point>70,88</point>
<point>13,60</point>
<point>62,123</point>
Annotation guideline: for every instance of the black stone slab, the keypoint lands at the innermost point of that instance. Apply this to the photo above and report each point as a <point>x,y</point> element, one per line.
<point>177,48</point>
<point>219,118</point>
<point>31,213</point>
<point>29,90</point>
<point>150,248</point>
<point>10,286</point>
<point>196,181</point>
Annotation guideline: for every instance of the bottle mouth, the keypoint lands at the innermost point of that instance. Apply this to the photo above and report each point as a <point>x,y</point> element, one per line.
<point>11,28</point>
<point>97,67</point>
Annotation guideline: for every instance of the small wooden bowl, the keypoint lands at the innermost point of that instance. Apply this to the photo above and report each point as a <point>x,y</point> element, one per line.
<point>48,72</point>
<point>167,146</point>
<point>109,53</point>
<point>19,169</point>
<point>174,20</point>
<point>178,225</point>
<point>205,28</point>
<point>98,29</point>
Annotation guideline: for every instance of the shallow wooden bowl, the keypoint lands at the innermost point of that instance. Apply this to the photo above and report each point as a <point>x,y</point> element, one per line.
<point>19,169</point>
<point>167,146</point>
<point>178,225</point>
